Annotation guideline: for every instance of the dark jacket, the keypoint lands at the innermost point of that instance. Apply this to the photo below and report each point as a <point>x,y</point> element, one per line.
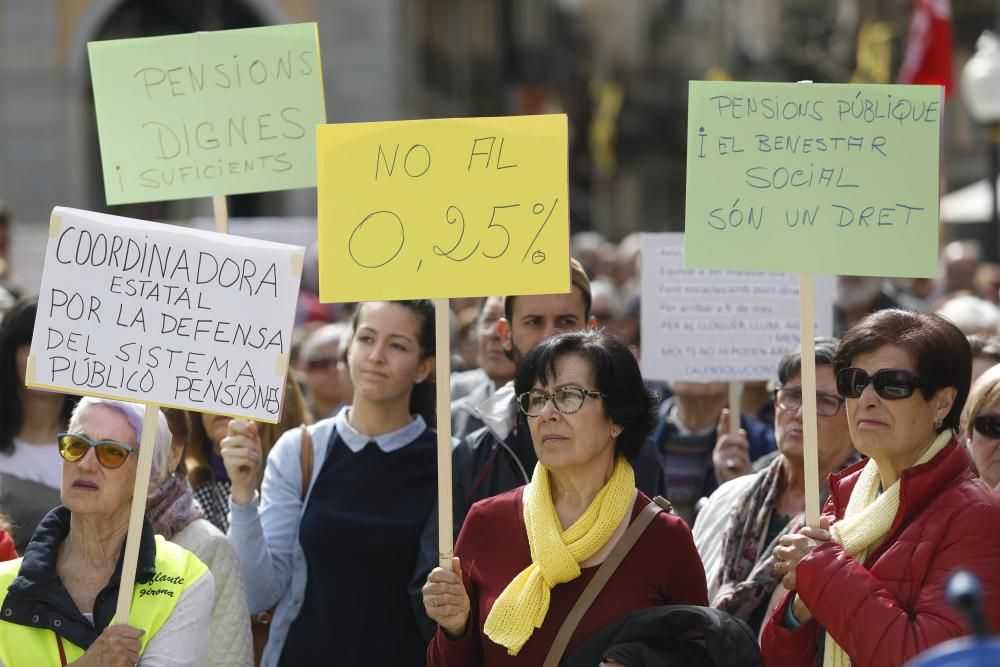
<point>671,636</point>
<point>693,477</point>
<point>492,460</point>
<point>892,607</point>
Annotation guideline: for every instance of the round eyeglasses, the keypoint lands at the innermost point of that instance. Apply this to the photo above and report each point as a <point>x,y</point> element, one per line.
<point>790,399</point>
<point>566,400</point>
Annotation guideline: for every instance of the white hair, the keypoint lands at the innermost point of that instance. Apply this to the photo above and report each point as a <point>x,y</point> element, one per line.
<point>972,315</point>
<point>134,414</point>
<point>602,288</point>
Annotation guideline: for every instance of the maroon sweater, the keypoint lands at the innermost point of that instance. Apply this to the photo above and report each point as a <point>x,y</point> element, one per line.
<point>662,568</point>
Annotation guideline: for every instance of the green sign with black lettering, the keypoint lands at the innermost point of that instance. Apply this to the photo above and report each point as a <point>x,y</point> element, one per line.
<point>208,113</point>
<point>813,178</point>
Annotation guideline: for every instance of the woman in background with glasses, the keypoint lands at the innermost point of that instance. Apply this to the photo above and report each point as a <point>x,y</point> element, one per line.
<point>742,521</point>
<point>981,427</point>
<point>868,585</point>
<point>523,558</point>
<point>60,599</point>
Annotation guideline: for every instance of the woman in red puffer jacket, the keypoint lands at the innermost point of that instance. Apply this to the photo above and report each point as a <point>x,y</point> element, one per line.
<point>868,590</point>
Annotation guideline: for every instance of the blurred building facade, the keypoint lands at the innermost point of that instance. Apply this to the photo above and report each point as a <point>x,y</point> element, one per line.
<point>620,69</point>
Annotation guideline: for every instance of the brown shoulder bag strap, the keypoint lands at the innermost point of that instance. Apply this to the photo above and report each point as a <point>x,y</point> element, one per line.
<point>306,460</point>
<point>601,577</point>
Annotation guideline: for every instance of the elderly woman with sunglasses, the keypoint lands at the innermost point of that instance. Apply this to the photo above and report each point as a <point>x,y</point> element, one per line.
<point>743,519</point>
<point>981,426</point>
<point>867,586</point>
<point>523,558</point>
<point>60,599</point>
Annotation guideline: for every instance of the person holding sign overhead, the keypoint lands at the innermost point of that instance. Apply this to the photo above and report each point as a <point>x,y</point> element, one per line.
<point>867,586</point>
<point>205,469</point>
<point>524,558</point>
<point>334,549</point>
<point>499,456</point>
<point>59,602</point>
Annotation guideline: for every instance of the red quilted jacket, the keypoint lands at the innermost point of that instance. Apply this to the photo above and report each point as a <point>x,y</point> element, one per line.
<point>893,607</point>
<point>7,551</point>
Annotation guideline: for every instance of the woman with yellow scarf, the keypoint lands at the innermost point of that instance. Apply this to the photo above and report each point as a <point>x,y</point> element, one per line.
<point>524,558</point>
<point>867,588</point>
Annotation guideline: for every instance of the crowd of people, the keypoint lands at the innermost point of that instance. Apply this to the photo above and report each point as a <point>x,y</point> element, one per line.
<point>599,517</point>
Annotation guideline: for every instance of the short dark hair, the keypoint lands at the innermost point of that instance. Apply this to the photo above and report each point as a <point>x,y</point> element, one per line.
<point>791,364</point>
<point>577,277</point>
<point>627,401</point>
<point>941,352</point>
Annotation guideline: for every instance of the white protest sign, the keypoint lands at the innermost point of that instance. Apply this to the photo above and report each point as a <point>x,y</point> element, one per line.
<point>164,315</point>
<point>706,325</point>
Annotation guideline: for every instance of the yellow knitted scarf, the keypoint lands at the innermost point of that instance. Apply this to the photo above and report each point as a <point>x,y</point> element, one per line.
<point>555,554</point>
<point>867,520</point>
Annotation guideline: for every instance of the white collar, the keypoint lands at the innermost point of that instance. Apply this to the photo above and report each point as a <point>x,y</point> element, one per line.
<point>387,442</point>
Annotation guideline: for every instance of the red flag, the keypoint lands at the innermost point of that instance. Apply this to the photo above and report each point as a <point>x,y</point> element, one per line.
<point>928,47</point>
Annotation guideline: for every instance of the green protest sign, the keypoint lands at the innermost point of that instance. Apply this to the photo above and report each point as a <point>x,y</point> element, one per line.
<point>813,178</point>
<point>208,113</point>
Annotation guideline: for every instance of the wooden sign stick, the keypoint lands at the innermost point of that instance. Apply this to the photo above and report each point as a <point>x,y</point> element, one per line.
<point>735,401</point>
<point>810,444</point>
<point>442,332</point>
<point>138,511</point>
<point>221,212</point>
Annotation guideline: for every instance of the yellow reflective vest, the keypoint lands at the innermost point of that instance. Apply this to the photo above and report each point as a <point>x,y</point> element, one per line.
<point>152,603</point>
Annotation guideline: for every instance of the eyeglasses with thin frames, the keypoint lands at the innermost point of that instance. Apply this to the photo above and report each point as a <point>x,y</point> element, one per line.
<point>790,399</point>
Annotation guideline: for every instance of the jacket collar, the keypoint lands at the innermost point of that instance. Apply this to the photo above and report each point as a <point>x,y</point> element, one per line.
<point>37,598</point>
<point>499,411</point>
<point>917,485</point>
<point>471,401</point>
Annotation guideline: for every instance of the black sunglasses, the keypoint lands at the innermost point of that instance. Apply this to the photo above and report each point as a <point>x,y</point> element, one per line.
<point>890,383</point>
<point>987,425</point>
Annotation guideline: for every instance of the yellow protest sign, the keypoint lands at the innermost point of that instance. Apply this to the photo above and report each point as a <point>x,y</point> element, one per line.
<point>443,208</point>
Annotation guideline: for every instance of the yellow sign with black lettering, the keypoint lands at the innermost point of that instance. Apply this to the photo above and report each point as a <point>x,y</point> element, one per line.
<point>443,208</point>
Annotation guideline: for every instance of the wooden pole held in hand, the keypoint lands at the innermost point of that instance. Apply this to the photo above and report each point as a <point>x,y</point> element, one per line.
<point>735,400</point>
<point>442,333</point>
<point>137,513</point>
<point>810,444</point>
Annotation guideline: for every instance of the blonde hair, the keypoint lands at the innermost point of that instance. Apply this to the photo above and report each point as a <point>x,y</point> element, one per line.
<point>985,391</point>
